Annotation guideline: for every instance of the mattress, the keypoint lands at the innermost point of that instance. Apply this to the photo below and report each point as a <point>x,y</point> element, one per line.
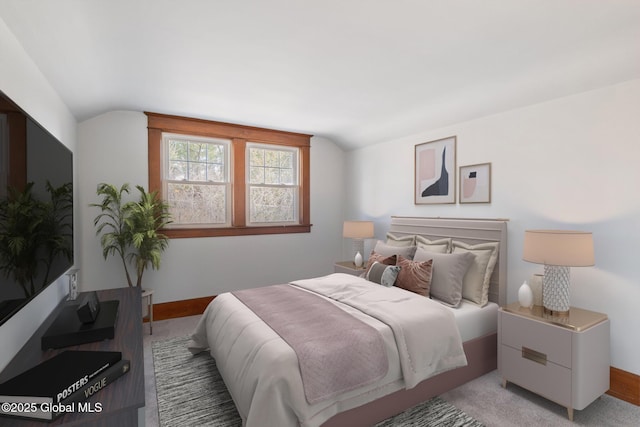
<point>474,321</point>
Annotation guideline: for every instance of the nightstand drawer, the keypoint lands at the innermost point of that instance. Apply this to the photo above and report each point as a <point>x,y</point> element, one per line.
<point>548,380</point>
<point>545,341</point>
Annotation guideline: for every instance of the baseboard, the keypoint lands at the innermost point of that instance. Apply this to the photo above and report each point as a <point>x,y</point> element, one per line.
<point>183,308</point>
<point>624,385</point>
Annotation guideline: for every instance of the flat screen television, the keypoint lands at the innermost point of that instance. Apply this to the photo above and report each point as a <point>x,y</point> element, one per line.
<point>36,208</point>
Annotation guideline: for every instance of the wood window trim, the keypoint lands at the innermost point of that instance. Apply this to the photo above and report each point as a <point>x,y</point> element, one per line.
<point>239,135</point>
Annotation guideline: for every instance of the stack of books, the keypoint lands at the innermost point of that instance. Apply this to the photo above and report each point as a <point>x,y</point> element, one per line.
<point>61,384</point>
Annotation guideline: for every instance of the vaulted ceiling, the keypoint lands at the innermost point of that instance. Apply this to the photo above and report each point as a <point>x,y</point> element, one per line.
<point>355,71</point>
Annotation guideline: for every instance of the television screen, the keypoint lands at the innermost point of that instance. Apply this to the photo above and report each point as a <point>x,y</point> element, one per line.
<point>36,208</point>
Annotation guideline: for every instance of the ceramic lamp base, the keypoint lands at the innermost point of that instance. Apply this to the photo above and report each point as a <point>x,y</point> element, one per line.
<point>555,290</point>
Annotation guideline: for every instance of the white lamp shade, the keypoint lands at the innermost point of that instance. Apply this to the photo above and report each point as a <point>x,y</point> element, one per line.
<point>559,247</point>
<point>358,229</point>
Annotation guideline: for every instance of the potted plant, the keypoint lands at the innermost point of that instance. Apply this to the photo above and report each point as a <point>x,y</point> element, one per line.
<point>146,218</point>
<point>131,230</point>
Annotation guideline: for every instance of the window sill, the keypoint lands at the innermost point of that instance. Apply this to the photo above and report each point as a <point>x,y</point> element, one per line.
<point>180,233</point>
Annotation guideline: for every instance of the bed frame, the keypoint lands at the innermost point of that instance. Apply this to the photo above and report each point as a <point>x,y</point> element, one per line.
<point>481,352</point>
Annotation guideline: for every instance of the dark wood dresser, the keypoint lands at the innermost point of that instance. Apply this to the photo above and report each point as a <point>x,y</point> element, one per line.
<point>120,400</point>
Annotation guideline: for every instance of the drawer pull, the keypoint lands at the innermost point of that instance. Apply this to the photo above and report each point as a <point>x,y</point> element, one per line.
<point>534,356</point>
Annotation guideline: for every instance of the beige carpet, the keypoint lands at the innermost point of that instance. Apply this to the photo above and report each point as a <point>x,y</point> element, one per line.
<point>486,400</point>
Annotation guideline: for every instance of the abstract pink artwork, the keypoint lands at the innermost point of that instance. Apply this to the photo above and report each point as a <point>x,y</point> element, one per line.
<point>435,172</point>
<point>475,183</point>
<point>428,164</point>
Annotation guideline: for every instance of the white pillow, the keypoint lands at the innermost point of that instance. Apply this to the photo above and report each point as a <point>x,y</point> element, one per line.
<point>393,240</point>
<point>440,246</point>
<point>389,250</point>
<point>475,285</point>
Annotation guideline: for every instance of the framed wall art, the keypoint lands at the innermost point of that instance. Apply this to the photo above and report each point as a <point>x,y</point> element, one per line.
<point>435,172</point>
<point>475,183</point>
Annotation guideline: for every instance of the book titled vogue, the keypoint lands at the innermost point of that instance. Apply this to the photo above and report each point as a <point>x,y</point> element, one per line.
<point>59,385</point>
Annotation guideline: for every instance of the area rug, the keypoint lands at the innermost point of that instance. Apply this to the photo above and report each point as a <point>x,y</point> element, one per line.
<point>191,393</point>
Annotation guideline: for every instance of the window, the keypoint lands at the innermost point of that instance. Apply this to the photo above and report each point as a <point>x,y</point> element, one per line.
<point>272,184</point>
<point>222,179</point>
<point>196,180</point>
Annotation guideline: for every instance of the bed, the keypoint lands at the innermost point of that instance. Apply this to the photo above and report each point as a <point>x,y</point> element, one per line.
<point>260,367</point>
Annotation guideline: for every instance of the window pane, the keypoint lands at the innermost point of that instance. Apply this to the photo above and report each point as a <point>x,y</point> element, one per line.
<point>215,173</point>
<point>215,153</point>
<point>271,158</point>
<point>286,176</point>
<point>177,150</point>
<point>178,170</point>
<point>256,157</point>
<point>272,176</point>
<point>269,204</point>
<point>286,159</point>
<point>197,204</point>
<point>198,151</point>
<point>256,175</point>
<point>197,172</point>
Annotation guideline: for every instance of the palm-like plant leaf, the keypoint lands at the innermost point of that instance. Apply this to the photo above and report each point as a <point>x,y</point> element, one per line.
<point>146,218</point>
<point>132,229</point>
<point>111,223</point>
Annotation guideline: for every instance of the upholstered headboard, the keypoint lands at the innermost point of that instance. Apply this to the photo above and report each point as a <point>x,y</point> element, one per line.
<point>470,231</point>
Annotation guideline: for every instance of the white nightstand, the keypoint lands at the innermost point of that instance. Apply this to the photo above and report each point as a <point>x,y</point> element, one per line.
<point>565,360</point>
<point>348,267</point>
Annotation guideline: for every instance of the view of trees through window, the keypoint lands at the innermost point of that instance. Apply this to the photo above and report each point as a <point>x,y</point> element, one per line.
<point>272,184</point>
<point>197,184</point>
<point>197,181</point>
<point>225,179</point>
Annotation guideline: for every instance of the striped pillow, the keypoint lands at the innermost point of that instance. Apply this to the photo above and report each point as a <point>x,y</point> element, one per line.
<point>382,274</point>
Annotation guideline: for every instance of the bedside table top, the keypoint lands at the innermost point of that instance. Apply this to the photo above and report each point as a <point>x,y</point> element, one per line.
<point>578,319</point>
<point>351,265</point>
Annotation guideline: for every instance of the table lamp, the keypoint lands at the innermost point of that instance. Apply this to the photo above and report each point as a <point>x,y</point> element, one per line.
<point>557,250</point>
<point>358,231</point>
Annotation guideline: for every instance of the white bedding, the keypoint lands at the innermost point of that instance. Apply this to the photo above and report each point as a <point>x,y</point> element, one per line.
<point>474,321</point>
<point>261,370</point>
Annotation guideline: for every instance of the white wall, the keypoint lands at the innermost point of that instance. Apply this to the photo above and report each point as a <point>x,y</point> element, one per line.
<point>113,149</point>
<point>22,81</point>
<point>573,163</point>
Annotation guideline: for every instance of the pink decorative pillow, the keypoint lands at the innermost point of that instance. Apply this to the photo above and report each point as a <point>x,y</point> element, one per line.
<point>414,276</point>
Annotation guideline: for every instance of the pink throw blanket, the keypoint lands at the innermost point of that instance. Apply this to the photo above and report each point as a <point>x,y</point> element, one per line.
<point>336,352</point>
